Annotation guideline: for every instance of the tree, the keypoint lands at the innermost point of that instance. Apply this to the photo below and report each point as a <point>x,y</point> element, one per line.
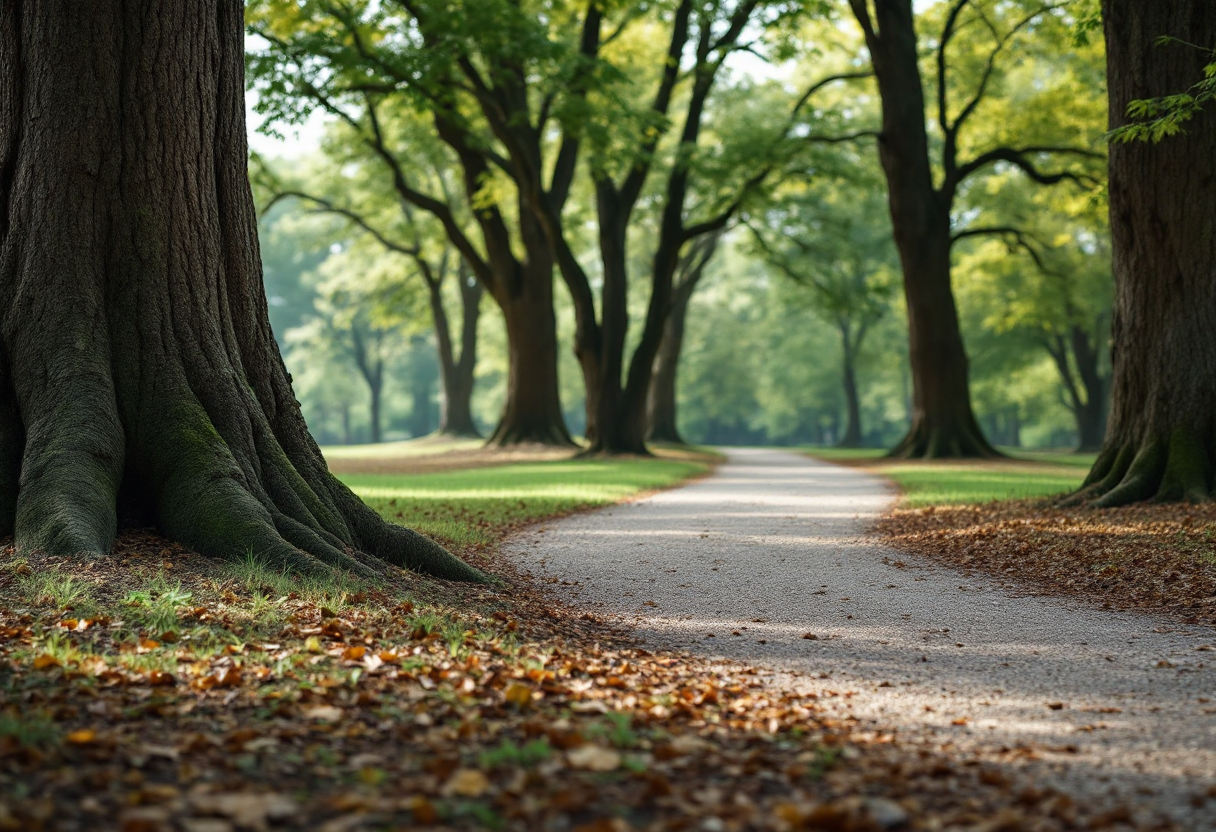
<point>922,205</point>
<point>826,240</point>
<point>1161,440</point>
<point>433,261</point>
<point>661,408</point>
<point>529,96</point>
<point>138,373</point>
<point>360,64</point>
<point>344,327</point>
<point>1045,288</point>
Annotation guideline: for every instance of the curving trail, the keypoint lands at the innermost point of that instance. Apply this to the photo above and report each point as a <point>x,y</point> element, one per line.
<point>772,546</point>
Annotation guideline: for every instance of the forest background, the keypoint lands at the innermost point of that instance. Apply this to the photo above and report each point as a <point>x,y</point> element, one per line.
<point>797,331</point>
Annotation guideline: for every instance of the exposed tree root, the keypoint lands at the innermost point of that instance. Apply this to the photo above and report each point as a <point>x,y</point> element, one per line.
<point>137,366</point>
<point>1172,469</point>
<point>953,441</point>
<point>518,432</point>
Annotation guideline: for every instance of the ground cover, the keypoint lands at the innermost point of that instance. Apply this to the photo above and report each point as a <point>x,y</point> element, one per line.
<point>963,482</point>
<point>157,690</point>
<point>1001,518</point>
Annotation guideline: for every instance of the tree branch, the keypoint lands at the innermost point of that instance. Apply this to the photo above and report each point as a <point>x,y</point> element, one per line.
<point>1020,158</point>
<point>1021,239</point>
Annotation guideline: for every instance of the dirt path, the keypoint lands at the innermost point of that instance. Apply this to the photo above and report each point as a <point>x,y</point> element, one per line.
<point>741,565</point>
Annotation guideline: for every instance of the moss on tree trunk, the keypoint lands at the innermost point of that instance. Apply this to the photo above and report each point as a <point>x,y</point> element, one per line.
<point>1161,439</point>
<point>137,367</point>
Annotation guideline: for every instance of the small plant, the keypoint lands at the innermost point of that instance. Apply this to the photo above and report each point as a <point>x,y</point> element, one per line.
<point>54,588</point>
<point>509,754</point>
<point>59,647</point>
<point>617,728</point>
<point>29,730</point>
<point>156,608</point>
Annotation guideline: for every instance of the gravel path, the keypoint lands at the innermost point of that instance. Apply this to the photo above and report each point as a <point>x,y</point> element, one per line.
<point>740,565</point>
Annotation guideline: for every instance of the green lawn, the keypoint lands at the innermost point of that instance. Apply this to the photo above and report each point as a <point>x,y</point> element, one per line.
<point>942,483</point>
<point>473,507</point>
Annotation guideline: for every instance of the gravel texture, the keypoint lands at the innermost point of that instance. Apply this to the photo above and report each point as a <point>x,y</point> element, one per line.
<point>747,564</point>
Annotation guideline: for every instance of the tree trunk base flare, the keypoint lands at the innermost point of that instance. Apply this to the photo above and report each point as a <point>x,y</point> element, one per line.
<point>952,441</point>
<point>1160,444</point>
<point>665,433</point>
<point>532,413</point>
<point>138,373</point>
<point>1161,469</point>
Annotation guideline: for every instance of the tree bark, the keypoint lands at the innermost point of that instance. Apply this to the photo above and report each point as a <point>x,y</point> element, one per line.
<point>369,360</point>
<point>456,402</point>
<point>135,346</point>
<point>1161,440</point>
<point>943,423</point>
<point>661,404</point>
<point>1088,400</point>
<point>532,412</point>
<point>852,401</point>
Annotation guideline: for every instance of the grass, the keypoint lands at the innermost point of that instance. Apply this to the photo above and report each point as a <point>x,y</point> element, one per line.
<point>405,449</point>
<point>468,508</point>
<point>1024,475</point>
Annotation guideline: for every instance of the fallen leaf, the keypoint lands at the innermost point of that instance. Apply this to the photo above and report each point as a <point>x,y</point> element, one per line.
<point>160,677</point>
<point>593,758</point>
<point>82,737</point>
<point>44,661</point>
<point>324,713</point>
<point>518,695</point>
<point>466,782</point>
<point>247,810</point>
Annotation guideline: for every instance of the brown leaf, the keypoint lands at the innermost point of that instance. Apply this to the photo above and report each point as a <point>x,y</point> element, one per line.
<point>593,758</point>
<point>251,811</point>
<point>519,695</point>
<point>324,713</point>
<point>466,782</point>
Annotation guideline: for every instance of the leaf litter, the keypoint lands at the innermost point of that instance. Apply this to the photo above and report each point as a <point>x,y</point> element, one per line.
<point>421,704</point>
<point>1158,558</point>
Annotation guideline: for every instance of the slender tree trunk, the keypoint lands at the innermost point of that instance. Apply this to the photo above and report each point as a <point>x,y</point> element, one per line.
<point>134,337</point>
<point>852,402</point>
<point>456,375</point>
<point>1161,441</point>
<point>943,424</point>
<point>347,439</point>
<point>376,389</point>
<point>662,404</point>
<point>422,386</point>
<point>1091,414</point>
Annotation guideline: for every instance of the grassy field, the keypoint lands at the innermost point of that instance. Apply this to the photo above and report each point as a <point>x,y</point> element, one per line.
<point>473,507</point>
<point>960,482</point>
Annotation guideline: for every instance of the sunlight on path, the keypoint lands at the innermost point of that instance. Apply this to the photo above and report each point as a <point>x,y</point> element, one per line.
<point>748,564</point>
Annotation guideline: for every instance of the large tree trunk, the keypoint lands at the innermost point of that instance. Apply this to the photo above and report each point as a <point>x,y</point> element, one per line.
<point>943,424</point>
<point>135,341</point>
<point>533,411</point>
<point>1161,441</point>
